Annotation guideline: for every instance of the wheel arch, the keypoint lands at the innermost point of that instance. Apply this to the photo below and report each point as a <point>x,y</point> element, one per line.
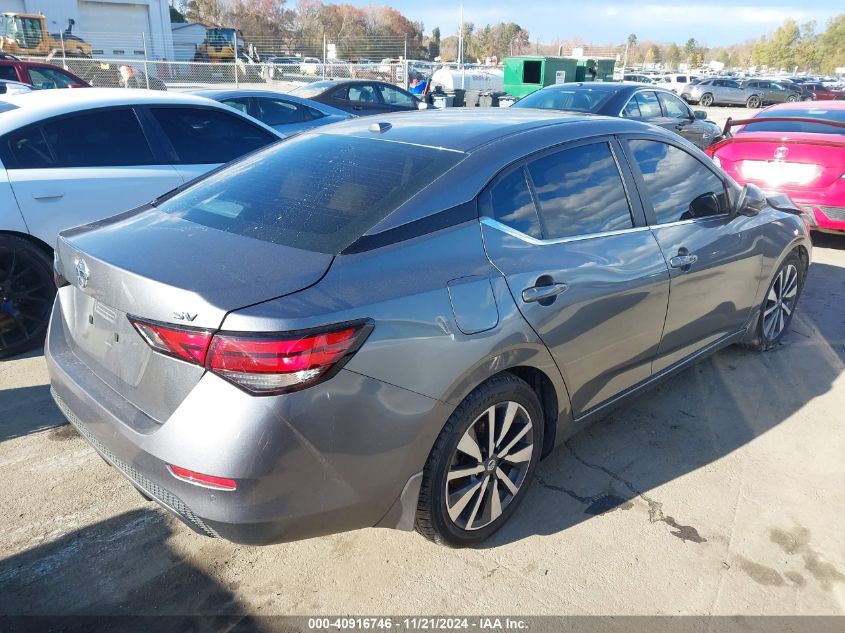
<point>32,239</point>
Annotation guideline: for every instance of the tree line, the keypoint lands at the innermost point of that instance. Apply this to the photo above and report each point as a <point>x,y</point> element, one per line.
<point>789,48</point>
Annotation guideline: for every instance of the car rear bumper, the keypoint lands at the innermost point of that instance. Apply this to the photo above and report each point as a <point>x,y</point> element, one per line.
<point>825,218</point>
<point>335,457</point>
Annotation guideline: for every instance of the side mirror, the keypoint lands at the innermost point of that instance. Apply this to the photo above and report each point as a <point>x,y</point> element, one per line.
<point>700,115</point>
<point>750,202</point>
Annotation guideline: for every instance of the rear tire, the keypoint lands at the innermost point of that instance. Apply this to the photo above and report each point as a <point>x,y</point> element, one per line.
<point>26,295</point>
<point>706,100</point>
<point>792,99</point>
<point>753,102</point>
<point>779,304</point>
<point>468,491</point>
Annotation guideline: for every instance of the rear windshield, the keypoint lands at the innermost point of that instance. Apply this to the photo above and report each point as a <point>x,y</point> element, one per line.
<point>574,100</point>
<point>798,126</point>
<point>318,192</point>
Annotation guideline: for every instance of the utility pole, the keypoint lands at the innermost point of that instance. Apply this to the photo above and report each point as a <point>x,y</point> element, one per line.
<point>461,45</point>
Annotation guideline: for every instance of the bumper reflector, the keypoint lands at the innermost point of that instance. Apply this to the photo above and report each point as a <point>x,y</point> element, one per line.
<point>207,481</point>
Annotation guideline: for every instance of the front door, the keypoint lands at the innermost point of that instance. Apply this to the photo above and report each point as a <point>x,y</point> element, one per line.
<point>583,268</point>
<point>713,269</point>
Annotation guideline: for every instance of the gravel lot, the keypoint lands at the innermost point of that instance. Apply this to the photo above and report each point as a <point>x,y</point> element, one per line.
<point>727,489</point>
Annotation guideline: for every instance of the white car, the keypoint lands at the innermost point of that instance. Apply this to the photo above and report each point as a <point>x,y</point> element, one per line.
<point>89,155</point>
<point>674,82</point>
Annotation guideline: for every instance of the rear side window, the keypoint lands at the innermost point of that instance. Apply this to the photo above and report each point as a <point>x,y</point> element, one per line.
<point>106,138</point>
<point>510,202</point>
<point>678,185</point>
<point>202,136</point>
<point>580,192</point>
<point>278,112</point>
<point>9,73</point>
<point>313,192</point>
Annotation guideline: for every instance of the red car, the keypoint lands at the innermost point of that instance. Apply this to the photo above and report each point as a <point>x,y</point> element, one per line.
<point>39,75</point>
<point>797,149</point>
<point>823,93</point>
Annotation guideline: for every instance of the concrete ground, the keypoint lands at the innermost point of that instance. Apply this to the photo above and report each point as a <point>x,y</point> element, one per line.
<point>720,492</point>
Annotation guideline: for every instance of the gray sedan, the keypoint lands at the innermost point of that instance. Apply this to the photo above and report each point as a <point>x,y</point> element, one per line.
<point>283,112</point>
<point>722,92</point>
<point>389,322</point>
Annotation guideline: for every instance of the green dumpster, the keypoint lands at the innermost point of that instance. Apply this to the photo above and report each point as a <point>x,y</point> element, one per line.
<point>594,69</point>
<point>524,75</point>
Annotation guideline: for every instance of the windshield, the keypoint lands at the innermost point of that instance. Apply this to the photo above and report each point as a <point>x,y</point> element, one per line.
<point>797,126</point>
<point>574,99</point>
<point>312,192</point>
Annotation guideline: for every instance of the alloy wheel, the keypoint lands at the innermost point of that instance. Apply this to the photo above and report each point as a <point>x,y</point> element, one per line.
<point>753,102</point>
<point>489,466</point>
<point>780,302</point>
<point>707,100</point>
<point>26,297</point>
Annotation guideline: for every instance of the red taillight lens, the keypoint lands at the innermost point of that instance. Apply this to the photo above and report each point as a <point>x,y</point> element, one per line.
<point>208,481</point>
<point>276,363</point>
<point>189,344</point>
<point>265,364</point>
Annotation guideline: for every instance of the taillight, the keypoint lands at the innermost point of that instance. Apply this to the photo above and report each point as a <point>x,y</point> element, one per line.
<point>265,363</point>
<point>189,344</point>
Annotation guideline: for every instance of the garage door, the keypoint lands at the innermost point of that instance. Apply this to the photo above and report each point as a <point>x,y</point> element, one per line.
<point>114,30</point>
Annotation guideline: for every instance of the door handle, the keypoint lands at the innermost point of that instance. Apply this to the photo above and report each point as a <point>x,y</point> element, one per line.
<point>539,293</point>
<point>683,261</point>
<point>48,195</point>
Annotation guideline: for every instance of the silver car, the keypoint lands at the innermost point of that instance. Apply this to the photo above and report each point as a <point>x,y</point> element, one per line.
<point>388,322</point>
<point>722,92</point>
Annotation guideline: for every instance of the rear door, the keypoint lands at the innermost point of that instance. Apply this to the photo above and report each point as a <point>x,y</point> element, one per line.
<point>78,168</point>
<point>585,271</point>
<point>199,139</point>
<point>713,263</point>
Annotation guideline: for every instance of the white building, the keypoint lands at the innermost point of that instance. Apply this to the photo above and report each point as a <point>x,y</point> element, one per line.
<point>114,28</point>
<point>187,36</point>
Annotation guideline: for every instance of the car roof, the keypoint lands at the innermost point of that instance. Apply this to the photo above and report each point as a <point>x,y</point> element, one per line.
<point>31,64</point>
<point>463,130</point>
<point>42,104</point>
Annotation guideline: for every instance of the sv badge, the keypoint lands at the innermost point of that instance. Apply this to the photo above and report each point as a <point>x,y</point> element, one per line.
<point>184,316</point>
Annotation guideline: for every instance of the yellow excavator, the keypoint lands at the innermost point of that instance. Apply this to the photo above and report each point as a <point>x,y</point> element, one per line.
<point>26,34</point>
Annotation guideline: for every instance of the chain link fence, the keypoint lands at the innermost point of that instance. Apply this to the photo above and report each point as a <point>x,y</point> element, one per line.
<point>224,58</point>
<point>189,75</point>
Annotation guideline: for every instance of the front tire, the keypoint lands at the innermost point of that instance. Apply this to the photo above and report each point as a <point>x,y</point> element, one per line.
<point>792,99</point>
<point>706,100</point>
<point>779,304</point>
<point>481,464</point>
<point>26,295</point>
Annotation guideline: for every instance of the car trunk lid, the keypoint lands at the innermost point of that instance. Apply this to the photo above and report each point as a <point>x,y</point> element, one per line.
<point>165,269</point>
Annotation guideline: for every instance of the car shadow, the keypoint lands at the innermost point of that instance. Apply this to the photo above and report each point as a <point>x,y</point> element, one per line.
<point>693,419</point>
<point>829,240</point>
<point>26,410</point>
<point>75,576</point>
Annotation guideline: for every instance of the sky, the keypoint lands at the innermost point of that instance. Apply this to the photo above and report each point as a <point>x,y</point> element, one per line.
<point>715,23</point>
